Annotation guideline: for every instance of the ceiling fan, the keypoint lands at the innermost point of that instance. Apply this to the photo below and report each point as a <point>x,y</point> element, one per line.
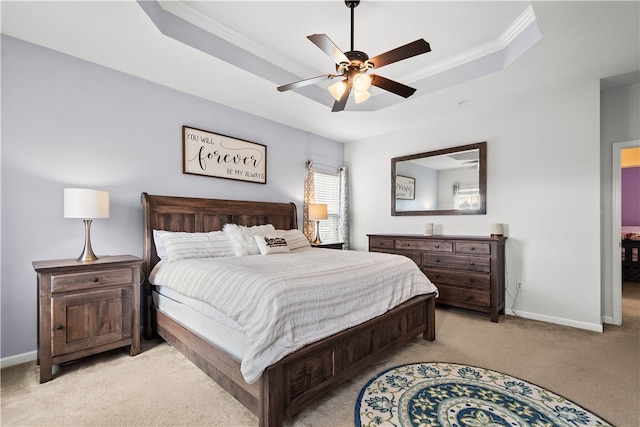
<point>352,68</point>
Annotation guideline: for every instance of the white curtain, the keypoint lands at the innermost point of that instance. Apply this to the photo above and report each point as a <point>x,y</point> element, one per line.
<point>309,198</point>
<point>343,208</point>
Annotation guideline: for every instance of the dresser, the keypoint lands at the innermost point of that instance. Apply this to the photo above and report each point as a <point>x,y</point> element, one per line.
<point>86,308</point>
<point>469,271</point>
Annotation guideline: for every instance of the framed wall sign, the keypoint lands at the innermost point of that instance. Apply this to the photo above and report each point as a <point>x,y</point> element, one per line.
<point>405,187</point>
<point>210,154</point>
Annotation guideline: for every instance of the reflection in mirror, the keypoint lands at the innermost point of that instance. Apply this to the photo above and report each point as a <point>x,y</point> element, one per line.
<point>443,182</point>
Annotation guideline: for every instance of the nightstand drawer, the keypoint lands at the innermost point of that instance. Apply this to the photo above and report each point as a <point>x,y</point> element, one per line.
<point>91,279</point>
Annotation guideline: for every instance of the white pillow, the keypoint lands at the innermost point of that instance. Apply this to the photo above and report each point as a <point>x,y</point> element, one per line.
<point>295,238</point>
<point>271,244</point>
<point>157,239</point>
<point>242,237</point>
<point>175,245</point>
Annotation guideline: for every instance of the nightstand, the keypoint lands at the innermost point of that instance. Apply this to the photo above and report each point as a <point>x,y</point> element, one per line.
<point>329,245</point>
<point>86,308</point>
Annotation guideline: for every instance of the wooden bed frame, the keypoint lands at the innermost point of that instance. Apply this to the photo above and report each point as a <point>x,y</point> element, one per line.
<point>297,380</point>
<point>631,265</point>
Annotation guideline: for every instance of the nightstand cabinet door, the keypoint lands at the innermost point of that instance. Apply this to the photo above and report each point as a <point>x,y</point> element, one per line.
<point>85,320</point>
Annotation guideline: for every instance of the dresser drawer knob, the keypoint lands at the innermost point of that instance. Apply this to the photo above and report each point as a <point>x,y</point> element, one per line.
<point>437,246</point>
<point>472,263</point>
<point>59,327</point>
<point>96,280</point>
<point>472,248</point>
<point>437,260</point>
<point>471,280</point>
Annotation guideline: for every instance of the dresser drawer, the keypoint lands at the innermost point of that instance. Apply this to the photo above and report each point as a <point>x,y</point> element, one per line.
<point>464,297</point>
<point>381,243</point>
<point>90,279</point>
<point>458,278</point>
<point>459,262</point>
<point>415,256</point>
<point>424,245</point>
<point>473,248</point>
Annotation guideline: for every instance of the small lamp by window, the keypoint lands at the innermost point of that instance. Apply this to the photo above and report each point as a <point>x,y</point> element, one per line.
<point>88,205</point>
<point>317,212</point>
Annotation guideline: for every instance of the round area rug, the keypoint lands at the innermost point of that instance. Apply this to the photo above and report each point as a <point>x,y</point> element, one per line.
<point>447,394</point>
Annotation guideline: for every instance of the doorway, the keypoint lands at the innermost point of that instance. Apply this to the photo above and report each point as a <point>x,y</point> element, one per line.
<point>616,224</point>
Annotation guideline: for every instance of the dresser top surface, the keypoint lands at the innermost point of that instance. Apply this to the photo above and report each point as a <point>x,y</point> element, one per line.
<point>438,237</point>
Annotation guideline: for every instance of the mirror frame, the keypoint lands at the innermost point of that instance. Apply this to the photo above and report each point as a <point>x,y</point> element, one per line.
<point>482,175</point>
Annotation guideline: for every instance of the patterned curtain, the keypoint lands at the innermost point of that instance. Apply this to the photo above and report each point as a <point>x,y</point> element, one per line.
<point>309,198</point>
<point>343,209</point>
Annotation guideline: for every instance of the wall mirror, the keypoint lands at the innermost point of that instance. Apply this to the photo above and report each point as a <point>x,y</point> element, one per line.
<point>451,181</point>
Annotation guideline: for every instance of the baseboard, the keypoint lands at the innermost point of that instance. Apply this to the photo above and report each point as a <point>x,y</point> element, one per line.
<point>5,362</point>
<point>558,320</point>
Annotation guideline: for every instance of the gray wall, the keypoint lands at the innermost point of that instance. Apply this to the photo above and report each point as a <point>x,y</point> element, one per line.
<point>71,123</point>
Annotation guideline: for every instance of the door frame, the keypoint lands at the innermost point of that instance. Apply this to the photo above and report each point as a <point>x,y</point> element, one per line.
<point>616,224</point>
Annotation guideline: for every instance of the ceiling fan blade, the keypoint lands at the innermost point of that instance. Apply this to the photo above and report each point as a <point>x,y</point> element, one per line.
<point>392,86</point>
<point>329,47</point>
<point>415,48</point>
<point>339,105</point>
<point>306,82</point>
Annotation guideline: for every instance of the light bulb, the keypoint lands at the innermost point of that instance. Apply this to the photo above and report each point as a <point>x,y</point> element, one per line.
<point>361,96</point>
<point>337,89</point>
<point>361,82</point>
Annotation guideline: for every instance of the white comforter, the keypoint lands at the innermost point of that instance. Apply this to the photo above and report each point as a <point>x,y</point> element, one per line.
<point>285,301</point>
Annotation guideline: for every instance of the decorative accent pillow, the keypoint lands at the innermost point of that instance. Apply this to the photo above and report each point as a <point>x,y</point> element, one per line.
<point>242,237</point>
<point>175,245</point>
<point>295,238</point>
<point>271,245</point>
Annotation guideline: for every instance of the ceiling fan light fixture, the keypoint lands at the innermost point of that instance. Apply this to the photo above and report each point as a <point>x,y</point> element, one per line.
<point>361,82</point>
<point>360,96</point>
<point>337,89</point>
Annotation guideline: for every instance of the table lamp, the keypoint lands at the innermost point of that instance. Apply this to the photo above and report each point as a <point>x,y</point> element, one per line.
<point>317,212</point>
<point>88,205</point>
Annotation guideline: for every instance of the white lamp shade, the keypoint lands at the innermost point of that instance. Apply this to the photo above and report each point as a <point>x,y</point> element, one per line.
<point>337,89</point>
<point>361,82</point>
<point>86,204</point>
<point>317,212</point>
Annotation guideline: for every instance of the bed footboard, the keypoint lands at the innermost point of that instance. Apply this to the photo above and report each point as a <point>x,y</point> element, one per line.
<point>294,382</point>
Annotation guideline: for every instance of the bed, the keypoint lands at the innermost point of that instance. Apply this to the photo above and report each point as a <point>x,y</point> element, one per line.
<point>288,385</point>
<point>630,253</point>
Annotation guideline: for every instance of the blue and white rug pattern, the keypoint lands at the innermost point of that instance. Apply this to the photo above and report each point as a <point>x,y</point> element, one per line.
<point>448,394</point>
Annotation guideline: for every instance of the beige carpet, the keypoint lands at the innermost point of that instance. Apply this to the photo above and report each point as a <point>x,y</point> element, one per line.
<point>599,371</point>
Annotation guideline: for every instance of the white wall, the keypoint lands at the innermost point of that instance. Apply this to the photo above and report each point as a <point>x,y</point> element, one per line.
<point>67,122</point>
<point>543,178</point>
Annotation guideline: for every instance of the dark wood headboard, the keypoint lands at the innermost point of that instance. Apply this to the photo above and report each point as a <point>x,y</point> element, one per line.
<point>203,215</point>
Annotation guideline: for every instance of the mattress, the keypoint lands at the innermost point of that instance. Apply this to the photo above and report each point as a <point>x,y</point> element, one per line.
<point>204,320</point>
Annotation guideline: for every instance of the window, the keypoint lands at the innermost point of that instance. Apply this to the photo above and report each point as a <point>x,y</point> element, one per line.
<point>327,190</point>
<point>466,196</point>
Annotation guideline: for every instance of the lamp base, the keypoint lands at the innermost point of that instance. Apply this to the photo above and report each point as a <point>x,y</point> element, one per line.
<point>87,254</point>
<point>316,239</point>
